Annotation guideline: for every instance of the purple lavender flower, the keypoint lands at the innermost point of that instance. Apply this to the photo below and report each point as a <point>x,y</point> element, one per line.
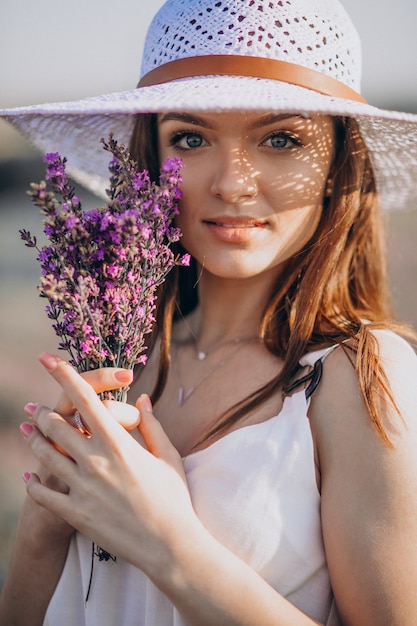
<point>101,269</point>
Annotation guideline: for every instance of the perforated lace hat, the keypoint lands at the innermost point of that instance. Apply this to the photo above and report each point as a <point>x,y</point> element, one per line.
<point>286,56</point>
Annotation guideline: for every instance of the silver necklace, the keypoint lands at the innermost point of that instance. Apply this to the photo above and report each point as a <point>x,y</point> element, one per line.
<point>203,354</point>
<point>183,394</point>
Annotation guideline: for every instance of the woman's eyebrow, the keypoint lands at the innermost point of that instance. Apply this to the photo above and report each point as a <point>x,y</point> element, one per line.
<point>263,120</point>
<point>186,118</point>
<point>273,118</point>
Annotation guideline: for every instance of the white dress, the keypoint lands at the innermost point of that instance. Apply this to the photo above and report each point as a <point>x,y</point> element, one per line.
<point>255,490</point>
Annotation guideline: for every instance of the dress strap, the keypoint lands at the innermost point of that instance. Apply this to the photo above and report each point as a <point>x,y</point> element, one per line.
<point>315,360</point>
<point>315,375</point>
<point>315,378</point>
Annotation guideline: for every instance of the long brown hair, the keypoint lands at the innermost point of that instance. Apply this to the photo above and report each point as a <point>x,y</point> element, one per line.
<point>335,290</point>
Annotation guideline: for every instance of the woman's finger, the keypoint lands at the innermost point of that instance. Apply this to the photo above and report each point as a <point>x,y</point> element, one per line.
<point>102,379</point>
<point>81,394</point>
<point>55,502</point>
<point>154,436</point>
<point>127,415</point>
<point>57,462</point>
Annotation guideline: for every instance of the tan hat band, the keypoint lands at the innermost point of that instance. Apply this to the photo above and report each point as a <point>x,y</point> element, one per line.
<point>257,67</point>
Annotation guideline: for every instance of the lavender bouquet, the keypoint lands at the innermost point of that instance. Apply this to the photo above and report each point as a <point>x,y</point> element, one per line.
<point>102,267</point>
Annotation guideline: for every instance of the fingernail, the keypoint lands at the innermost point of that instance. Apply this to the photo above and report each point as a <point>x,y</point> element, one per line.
<point>146,402</point>
<point>26,476</point>
<point>49,361</point>
<point>124,376</point>
<point>26,429</point>
<point>30,408</point>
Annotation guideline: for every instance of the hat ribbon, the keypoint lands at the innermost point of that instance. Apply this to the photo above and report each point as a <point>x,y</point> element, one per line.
<point>257,67</point>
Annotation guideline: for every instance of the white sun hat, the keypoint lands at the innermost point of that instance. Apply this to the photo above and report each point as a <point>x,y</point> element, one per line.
<point>283,56</point>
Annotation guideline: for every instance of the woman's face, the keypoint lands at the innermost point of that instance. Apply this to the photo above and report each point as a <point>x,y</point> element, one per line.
<point>253,185</point>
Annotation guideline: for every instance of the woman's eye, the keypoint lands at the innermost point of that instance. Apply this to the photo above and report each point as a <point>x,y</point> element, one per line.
<point>187,141</point>
<point>281,141</point>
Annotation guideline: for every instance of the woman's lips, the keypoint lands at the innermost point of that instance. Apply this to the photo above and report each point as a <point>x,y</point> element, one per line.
<point>237,225</point>
<point>235,230</point>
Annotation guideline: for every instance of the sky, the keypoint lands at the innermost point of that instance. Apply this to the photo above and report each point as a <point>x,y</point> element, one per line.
<point>52,51</point>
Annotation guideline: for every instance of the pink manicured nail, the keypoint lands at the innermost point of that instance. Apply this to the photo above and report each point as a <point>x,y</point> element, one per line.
<point>49,361</point>
<point>26,429</point>
<point>146,402</point>
<point>123,376</point>
<point>26,476</point>
<point>30,408</point>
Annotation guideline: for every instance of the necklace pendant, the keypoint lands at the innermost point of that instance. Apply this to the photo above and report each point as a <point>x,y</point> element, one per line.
<point>184,395</point>
<point>201,355</point>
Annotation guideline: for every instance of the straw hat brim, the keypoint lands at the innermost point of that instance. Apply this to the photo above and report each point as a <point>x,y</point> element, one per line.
<point>74,129</point>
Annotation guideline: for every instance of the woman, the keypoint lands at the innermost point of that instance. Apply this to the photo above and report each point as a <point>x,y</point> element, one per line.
<point>276,482</point>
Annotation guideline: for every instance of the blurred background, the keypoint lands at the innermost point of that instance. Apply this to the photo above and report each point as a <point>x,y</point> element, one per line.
<point>53,51</point>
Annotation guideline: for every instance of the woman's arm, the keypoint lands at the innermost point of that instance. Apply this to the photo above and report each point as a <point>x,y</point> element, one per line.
<point>42,538</point>
<point>38,557</point>
<point>369,491</point>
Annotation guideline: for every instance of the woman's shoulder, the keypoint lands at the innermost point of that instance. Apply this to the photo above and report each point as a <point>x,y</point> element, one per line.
<point>391,344</point>
<point>395,355</point>
<point>338,411</point>
<point>388,344</point>
<point>340,363</point>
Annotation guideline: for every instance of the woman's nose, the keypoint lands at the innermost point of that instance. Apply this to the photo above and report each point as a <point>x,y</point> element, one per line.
<point>235,177</point>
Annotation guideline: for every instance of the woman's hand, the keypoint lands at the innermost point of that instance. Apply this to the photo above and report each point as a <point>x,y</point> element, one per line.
<point>42,521</point>
<point>113,481</point>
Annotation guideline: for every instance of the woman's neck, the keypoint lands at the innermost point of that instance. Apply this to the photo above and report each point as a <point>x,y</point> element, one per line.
<point>228,310</point>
